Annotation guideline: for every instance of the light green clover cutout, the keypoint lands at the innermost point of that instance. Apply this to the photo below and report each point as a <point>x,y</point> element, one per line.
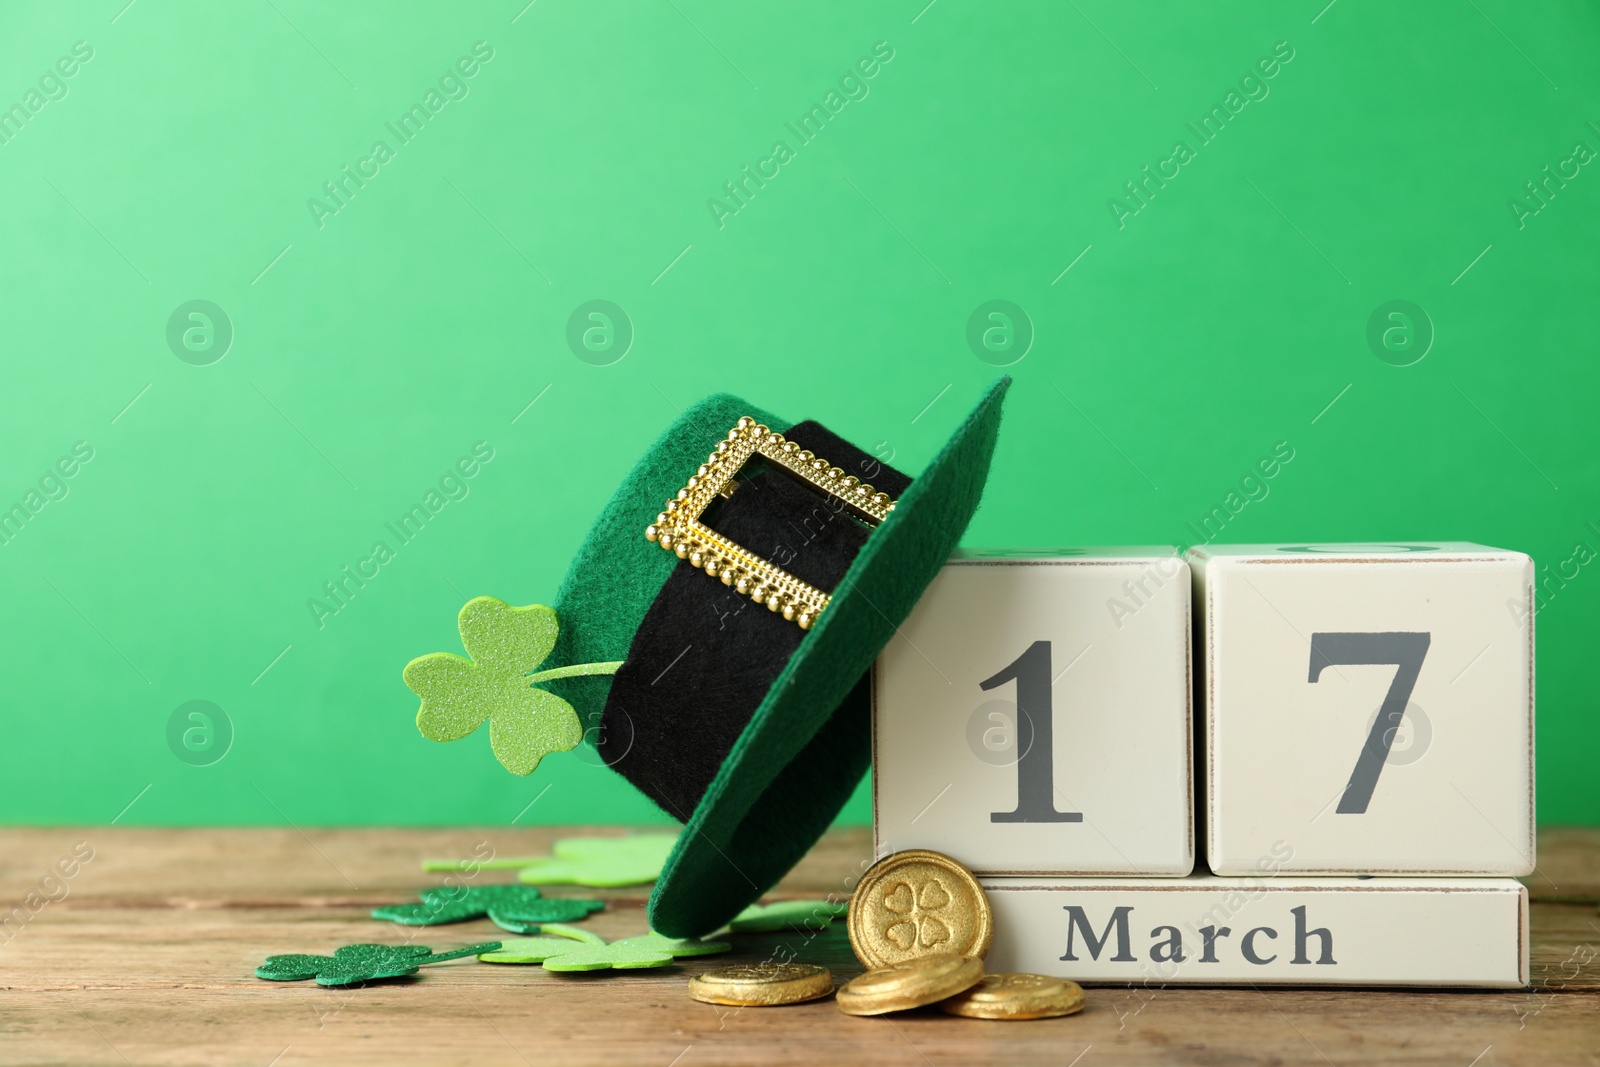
<point>787,915</point>
<point>631,953</point>
<point>602,862</point>
<point>539,949</point>
<point>676,947</point>
<point>506,644</point>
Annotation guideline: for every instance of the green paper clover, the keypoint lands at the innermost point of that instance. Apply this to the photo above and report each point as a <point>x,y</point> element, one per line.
<point>353,964</point>
<point>539,949</point>
<point>631,953</point>
<point>677,947</point>
<point>501,903</point>
<point>787,915</point>
<point>506,645</point>
<point>607,862</point>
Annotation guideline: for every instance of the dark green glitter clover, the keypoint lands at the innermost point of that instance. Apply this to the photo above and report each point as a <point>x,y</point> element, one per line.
<point>354,964</point>
<point>520,904</point>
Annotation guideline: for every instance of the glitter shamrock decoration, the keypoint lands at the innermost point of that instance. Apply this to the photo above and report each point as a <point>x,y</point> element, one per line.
<point>354,964</point>
<point>506,644</point>
<point>787,915</point>
<point>504,904</point>
<point>536,918</point>
<point>609,862</point>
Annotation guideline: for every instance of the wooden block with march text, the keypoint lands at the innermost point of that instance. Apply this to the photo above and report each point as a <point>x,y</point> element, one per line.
<point>1265,930</point>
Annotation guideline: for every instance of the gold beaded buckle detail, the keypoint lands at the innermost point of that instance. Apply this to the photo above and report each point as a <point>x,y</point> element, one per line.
<point>678,529</point>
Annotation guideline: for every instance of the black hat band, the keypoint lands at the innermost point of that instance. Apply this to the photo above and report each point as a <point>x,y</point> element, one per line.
<point>704,656</point>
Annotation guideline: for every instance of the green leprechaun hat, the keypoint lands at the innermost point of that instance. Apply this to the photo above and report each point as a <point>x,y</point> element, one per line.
<point>725,609</point>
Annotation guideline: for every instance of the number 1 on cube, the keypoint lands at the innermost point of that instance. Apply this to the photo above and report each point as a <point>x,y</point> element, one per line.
<point>1035,740</point>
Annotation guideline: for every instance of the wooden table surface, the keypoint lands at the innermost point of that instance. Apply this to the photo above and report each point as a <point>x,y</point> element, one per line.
<point>148,958</point>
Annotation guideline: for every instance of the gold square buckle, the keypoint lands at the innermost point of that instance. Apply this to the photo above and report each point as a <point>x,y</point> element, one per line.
<point>678,529</point>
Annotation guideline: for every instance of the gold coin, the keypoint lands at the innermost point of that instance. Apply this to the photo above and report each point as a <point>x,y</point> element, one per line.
<point>917,903</point>
<point>762,985</point>
<point>1017,996</point>
<point>926,980</point>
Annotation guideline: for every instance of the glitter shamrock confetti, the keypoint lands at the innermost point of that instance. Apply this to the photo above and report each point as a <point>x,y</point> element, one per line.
<point>353,964</point>
<point>535,917</point>
<point>602,862</point>
<point>499,683</point>
<point>787,915</point>
<point>501,903</point>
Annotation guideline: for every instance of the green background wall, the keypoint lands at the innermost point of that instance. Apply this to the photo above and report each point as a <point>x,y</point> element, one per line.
<point>1172,347</point>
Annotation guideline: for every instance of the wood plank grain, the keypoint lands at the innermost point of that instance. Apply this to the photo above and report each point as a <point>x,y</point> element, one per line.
<point>96,985</point>
<point>264,867</point>
<point>149,959</point>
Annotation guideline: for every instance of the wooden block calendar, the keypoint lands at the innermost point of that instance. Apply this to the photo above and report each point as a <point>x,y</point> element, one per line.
<point>1367,707</point>
<point>1034,715</point>
<point>1343,741</point>
<point>1279,930</point>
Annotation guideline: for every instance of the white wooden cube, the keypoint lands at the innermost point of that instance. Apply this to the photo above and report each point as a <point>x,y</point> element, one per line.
<point>1368,708</point>
<point>1033,716</point>
<point>1263,930</point>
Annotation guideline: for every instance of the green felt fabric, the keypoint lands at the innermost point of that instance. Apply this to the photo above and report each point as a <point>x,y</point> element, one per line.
<point>788,915</point>
<point>809,742</point>
<point>617,573</point>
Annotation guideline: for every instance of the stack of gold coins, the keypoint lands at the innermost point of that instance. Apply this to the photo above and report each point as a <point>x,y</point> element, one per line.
<point>1016,996</point>
<point>902,986</point>
<point>921,923</point>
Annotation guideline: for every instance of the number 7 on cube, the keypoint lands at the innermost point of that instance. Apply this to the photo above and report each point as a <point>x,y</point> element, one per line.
<point>1368,708</point>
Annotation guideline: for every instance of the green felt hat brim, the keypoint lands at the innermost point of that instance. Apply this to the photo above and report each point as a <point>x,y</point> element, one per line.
<point>805,748</point>
<point>808,743</point>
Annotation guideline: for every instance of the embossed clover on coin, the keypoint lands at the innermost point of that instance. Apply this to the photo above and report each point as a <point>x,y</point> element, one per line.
<point>918,903</point>
<point>911,913</point>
